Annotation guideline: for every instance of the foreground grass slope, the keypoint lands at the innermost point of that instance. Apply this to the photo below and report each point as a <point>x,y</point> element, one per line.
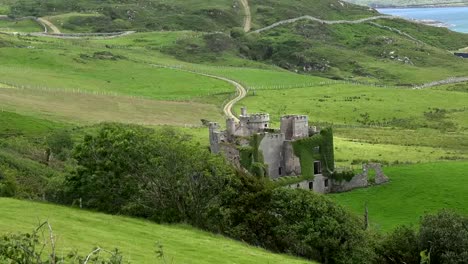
<point>412,191</point>
<point>82,230</point>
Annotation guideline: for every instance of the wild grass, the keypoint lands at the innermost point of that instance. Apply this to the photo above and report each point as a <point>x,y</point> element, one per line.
<point>26,25</point>
<point>413,190</point>
<point>358,105</point>
<point>88,108</point>
<point>111,73</point>
<point>83,230</point>
<point>12,124</point>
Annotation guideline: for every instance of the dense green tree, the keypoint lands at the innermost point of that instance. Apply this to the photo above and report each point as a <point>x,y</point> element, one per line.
<point>162,176</point>
<point>60,143</point>
<point>445,237</point>
<point>400,246</point>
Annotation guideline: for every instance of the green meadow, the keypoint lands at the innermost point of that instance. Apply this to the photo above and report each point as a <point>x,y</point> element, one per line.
<point>26,25</point>
<point>413,190</point>
<point>82,230</point>
<point>152,79</point>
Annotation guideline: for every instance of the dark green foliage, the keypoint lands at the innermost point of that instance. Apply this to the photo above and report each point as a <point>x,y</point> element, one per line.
<point>445,237</point>
<point>400,246</point>
<point>345,175</point>
<point>298,222</point>
<point>24,178</point>
<point>442,238</point>
<point>312,226</point>
<point>108,162</point>
<point>252,159</point>
<point>139,15</point>
<point>60,144</point>
<point>159,176</point>
<point>318,147</point>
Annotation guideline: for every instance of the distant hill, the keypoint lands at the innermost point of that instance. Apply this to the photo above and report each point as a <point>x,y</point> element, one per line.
<point>199,15</point>
<point>389,3</point>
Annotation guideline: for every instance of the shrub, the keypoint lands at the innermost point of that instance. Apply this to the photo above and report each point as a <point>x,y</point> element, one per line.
<point>400,246</point>
<point>445,237</point>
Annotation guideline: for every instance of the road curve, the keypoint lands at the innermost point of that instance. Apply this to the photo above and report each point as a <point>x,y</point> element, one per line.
<point>241,91</point>
<point>47,23</point>
<point>247,15</point>
<point>328,22</point>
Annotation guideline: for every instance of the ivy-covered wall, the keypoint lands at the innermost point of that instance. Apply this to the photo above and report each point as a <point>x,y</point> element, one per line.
<point>317,147</point>
<point>251,158</point>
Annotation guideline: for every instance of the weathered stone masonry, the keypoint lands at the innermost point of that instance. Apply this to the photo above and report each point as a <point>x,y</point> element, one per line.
<point>274,149</point>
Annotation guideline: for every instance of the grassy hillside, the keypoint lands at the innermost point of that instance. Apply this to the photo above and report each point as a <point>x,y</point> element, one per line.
<point>412,191</point>
<point>363,51</point>
<point>113,15</point>
<point>82,230</point>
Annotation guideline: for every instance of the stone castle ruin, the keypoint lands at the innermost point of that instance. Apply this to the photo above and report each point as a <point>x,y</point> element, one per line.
<point>296,149</point>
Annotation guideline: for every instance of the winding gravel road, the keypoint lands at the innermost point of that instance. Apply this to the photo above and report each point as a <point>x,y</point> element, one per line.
<point>248,15</point>
<point>328,22</point>
<point>241,91</point>
<point>47,24</point>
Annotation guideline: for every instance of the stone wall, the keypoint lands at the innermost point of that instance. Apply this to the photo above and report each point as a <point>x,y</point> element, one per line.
<point>291,164</point>
<point>362,180</point>
<point>320,184</point>
<point>271,147</point>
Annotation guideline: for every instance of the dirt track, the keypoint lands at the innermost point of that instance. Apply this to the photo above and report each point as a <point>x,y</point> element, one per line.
<point>48,24</point>
<point>248,15</point>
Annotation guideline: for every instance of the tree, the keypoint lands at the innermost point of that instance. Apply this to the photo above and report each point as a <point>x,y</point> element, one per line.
<point>445,237</point>
<point>161,176</point>
<point>108,163</point>
<point>59,143</point>
<point>400,246</point>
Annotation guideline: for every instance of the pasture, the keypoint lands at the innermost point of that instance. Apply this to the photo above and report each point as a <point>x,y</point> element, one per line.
<point>83,230</point>
<point>413,190</point>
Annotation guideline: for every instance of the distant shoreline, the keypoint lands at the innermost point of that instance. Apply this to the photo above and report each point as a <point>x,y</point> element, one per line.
<point>419,6</point>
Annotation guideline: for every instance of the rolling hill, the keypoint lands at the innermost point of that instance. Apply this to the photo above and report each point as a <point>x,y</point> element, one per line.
<point>341,65</point>
<point>82,230</point>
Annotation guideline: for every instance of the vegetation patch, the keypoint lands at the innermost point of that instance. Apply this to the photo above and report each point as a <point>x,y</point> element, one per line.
<point>424,188</point>
<point>317,147</point>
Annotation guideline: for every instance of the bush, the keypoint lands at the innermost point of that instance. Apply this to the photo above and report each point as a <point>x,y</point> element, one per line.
<point>297,222</point>
<point>161,176</point>
<point>442,238</point>
<point>445,237</point>
<point>400,246</point>
<point>60,143</point>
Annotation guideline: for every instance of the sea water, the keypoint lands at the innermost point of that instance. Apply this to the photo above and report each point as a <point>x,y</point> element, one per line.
<point>456,18</point>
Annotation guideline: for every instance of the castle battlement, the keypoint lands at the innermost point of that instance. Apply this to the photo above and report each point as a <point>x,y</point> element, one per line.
<point>257,118</point>
<point>273,135</point>
<point>295,117</point>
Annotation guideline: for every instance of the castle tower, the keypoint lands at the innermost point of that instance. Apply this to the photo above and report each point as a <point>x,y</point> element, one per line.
<point>230,127</point>
<point>295,126</point>
<point>214,137</point>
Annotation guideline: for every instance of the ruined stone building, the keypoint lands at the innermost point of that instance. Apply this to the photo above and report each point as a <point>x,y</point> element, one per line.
<point>296,149</point>
<point>274,146</point>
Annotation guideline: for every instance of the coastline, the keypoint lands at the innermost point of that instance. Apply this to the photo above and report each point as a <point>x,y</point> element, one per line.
<point>419,6</point>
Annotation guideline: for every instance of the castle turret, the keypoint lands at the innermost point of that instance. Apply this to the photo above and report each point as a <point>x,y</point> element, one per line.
<point>214,137</point>
<point>230,127</point>
<point>295,126</point>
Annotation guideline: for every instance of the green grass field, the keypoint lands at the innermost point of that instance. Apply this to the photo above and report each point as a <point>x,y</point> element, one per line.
<point>344,104</point>
<point>412,191</point>
<point>83,230</point>
<point>26,25</point>
<point>89,108</point>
